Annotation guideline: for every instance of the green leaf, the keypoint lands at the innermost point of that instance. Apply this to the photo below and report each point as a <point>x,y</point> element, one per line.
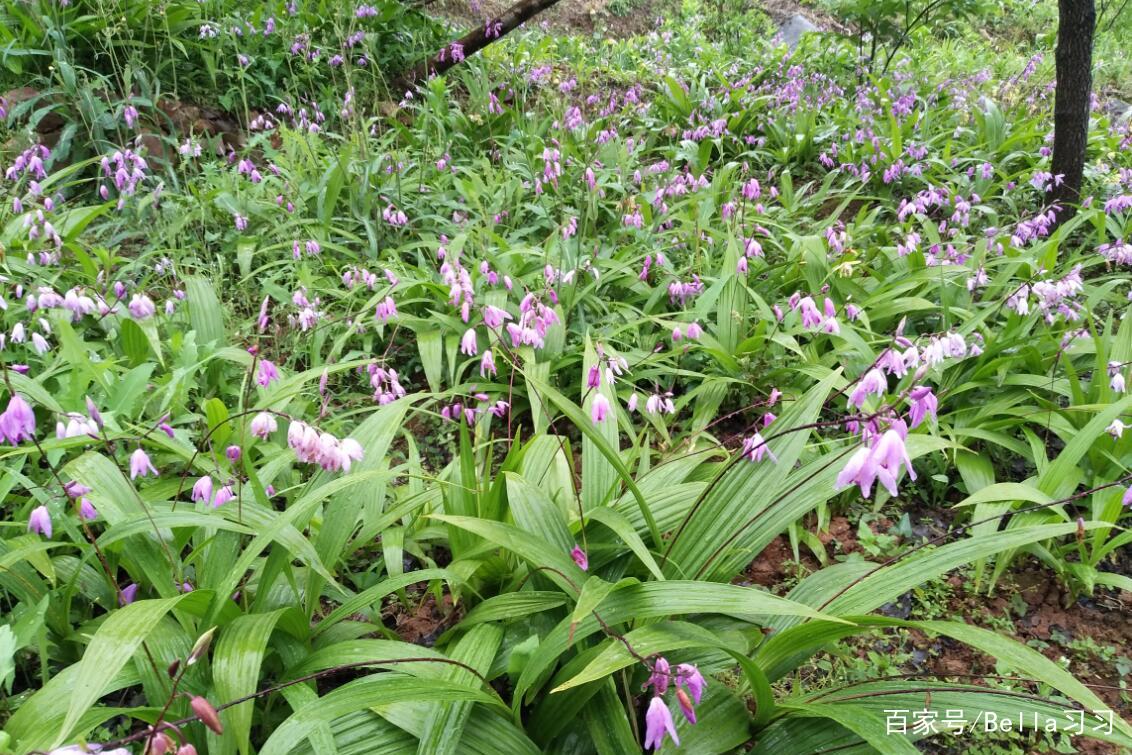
<point>444,725</point>
<point>236,661</point>
<point>616,521</point>
<point>206,316</point>
<point>369,691</point>
<point>594,591</point>
<point>864,723</point>
<point>715,536</point>
<point>655,639</point>
<point>112,646</point>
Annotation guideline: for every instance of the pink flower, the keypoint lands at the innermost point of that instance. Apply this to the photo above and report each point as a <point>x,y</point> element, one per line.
<point>87,510</point>
<point>386,310</point>
<point>128,594</point>
<point>263,425</point>
<point>140,465</point>
<point>580,558</point>
<point>881,462</point>
<point>40,521</point>
<point>223,495</point>
<point>468,345</point>
<point>493,317</point>
<point>873,383</point>
<point>599,410</point>
<point>694,331</point>
<point>1126,500</point>
<point>487,364</point>
<point>233,453</point>
<point>658,722</point>
<point>1117,383</point>
<point>755,448</point>
<point>660,675</point>
<point>859,470</point>
<point>268,373</point>
<point>922,403</point>
<point>17,423</point>
<point>202,489</point>
<point>686,706</point>
<point>689,676</point>
<point>141,307</point>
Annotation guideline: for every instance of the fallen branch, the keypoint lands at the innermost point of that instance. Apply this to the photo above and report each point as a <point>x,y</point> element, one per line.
<point>471,43</point>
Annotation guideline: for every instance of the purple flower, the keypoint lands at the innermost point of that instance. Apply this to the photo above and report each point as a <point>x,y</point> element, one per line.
<point>128,594</point>
<point>599,410</point>
<point>17,423</point>
<point>690,677</point>
<point>202,489</point>
<point>880,462</point>
<point>660,676</point>
<point>658,722</point>
<point>922,403</point>
<point>40,521</point>
<point>874,382</point>
<point>233,453</point>
<point>755,448</point>
<point>487,363</point>
<point>580,558</point>
<point>92,410</point>
<point>87,510</point>
<point>268,373</point>
<point>140,465</point>
<point>223,495</point>
<point>141,307</point>
<point>1127,499</point>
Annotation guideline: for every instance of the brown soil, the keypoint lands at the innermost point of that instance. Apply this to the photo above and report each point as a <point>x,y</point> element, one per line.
<point>423,621</point>
<point>1042,616</point>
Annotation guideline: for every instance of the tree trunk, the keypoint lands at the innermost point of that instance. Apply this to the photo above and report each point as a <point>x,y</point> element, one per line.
<point>1076,22</point>
<point>472,42</point>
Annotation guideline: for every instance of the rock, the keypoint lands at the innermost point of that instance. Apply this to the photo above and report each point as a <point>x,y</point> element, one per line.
<point>794,27</point>
<point>49,121</point>
<point>1118,110</point>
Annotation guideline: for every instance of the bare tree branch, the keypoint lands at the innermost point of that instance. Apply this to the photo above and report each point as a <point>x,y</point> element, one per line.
<point>472,42</point>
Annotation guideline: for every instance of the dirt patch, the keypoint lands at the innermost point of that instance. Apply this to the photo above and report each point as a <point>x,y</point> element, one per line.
<point>423,620</point>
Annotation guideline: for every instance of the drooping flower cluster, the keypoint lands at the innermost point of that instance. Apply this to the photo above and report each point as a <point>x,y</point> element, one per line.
<point>689,686</point>
<point>1055,297</point>
<point>879,458</point>
<point>535,319</point>
<point>385,383</point>
<point>17,423</point>
<point>316,447</point>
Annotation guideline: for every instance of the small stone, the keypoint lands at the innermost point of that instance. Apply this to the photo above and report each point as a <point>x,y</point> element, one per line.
<point>794,27</point>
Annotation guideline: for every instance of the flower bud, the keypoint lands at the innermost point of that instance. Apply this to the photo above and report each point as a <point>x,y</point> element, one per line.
<point>159,744</point>
<point>207,714</point>
<point>201,646</point>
